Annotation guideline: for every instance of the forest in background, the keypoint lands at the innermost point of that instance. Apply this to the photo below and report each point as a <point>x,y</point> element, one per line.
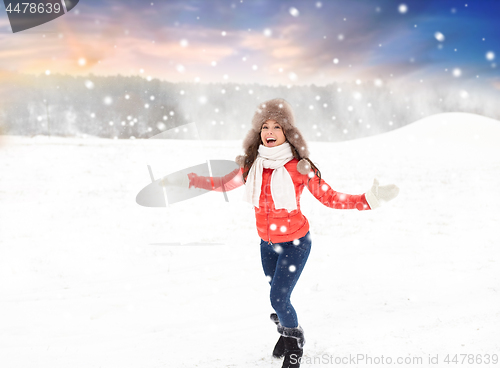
<point>124,107</point>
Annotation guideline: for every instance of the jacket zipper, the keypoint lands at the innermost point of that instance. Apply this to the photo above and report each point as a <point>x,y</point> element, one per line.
<point>267,209</point>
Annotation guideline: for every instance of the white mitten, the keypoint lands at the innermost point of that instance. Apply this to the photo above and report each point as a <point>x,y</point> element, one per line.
<point>378,195</point>
<point>177,180</point>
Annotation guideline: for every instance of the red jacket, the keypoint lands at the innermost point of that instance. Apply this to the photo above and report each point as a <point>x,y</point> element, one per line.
<point>279,225</point>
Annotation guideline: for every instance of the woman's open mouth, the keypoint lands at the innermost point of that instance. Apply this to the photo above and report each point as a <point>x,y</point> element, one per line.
<point>270,141</point>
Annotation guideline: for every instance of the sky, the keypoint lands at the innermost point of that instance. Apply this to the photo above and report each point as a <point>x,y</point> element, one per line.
<point>279,42</point>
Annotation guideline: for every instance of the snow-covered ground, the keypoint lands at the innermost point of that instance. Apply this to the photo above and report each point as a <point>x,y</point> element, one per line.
<point>88,278</point>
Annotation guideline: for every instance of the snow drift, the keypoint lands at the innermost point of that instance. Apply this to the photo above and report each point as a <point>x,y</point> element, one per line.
<point>90,279</point>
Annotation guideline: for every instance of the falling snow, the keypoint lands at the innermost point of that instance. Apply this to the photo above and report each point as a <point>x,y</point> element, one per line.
<point>294,12</point>
<point>439,36</point>
<point>490,55</point>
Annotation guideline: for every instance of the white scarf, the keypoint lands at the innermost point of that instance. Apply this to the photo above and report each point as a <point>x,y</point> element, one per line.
<point>282,188</point>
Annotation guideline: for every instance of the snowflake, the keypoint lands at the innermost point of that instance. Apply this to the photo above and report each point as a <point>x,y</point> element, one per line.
<point>294,12</point>
<point>439,36</point>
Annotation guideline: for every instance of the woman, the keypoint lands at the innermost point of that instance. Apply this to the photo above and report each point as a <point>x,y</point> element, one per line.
<point>275,169</point>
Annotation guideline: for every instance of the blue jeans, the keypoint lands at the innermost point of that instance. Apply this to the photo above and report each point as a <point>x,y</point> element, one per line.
<point>283,263</point>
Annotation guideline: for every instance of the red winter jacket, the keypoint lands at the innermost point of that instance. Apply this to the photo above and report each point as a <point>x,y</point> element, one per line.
<point>279,225</point>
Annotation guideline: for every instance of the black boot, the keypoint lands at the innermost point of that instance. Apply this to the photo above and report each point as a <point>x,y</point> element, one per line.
<point>279,348</point>
<point>293,353</point>
<point>294,341</point>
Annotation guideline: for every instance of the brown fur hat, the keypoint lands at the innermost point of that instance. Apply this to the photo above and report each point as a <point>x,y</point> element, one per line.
<point>281,111</point>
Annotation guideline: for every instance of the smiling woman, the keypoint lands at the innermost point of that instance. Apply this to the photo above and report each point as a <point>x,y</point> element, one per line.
<point>275,169</point>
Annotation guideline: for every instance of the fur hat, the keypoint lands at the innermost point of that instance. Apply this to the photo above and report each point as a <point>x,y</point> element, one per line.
<point>281,111</point>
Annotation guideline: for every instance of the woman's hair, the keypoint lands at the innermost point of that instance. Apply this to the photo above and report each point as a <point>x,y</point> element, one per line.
<point>252,150</point>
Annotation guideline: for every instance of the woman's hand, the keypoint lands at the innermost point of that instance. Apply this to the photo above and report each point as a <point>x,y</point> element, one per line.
<point>378,195</point>
<point>176,180</point>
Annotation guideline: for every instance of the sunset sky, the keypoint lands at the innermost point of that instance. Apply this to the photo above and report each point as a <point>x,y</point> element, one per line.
<point>266,42</point>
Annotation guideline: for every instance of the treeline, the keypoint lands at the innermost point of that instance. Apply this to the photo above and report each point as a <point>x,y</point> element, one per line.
<point>134,107</point>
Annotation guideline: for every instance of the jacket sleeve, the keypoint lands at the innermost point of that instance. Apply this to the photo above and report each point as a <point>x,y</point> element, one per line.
<point>330,198</point>
<point>225,183</point>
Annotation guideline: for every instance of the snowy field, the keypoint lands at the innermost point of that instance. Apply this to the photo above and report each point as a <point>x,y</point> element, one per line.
<point>88,278</point>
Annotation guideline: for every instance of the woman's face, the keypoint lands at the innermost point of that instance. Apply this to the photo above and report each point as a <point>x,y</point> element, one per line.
<point>272,134</point>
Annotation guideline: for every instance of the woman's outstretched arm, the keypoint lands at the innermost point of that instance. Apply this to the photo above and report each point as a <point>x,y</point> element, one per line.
<point>225,183</point>
<point>333,199</point>
<point>370,200</point>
